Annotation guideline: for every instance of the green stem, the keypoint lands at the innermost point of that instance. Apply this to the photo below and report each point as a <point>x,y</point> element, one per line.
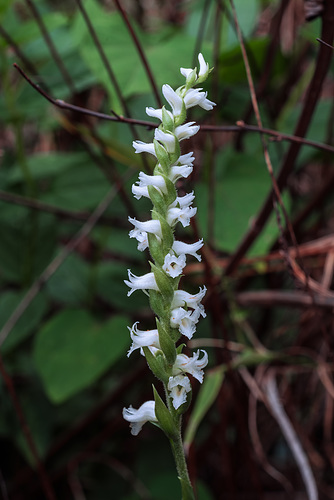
<point>181,466</point>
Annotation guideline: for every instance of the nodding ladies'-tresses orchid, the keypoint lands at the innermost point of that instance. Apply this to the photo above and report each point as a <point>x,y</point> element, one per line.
<point>177,311</point>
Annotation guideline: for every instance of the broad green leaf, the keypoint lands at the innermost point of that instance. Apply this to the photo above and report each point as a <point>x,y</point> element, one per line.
<point>28,321</point>
<point>46,165</point>
<point>70,283</point>
<point>207,394</point>
<point>27,243</point>
<point>73,350</point>
<point>111,287</point>
<point>241,188</point>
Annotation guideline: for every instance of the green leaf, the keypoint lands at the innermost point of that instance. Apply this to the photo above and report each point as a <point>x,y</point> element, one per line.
<point>73,350</point>
<point>239,193</point>
<point>207,394</point>
<point>27,322</point>
<point>70,283</point>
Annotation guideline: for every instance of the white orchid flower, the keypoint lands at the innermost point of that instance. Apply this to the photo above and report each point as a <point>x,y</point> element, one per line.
<point>166,138</point>
<point>182,298</point>
<point>145,282</point>
<point>186,131</point>
<point>143,147</point>
<point>137,418</point>
<point>174,265</point>
<point>178,387</point>
<point>193,365</point>
<point>143,338</point>
<point>194,97</point>
<point>180,247</point>
<point>185,321</point>
<point>173,99</point>
<point>182,215</point>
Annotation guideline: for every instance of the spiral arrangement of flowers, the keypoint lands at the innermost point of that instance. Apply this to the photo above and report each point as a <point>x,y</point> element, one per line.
<point>177,311</point>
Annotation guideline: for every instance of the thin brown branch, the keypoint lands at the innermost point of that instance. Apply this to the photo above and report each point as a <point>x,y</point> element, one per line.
<point>311,99</point>
<point>103,56</point>
<point>279,136</point>
<point>276,298</point>
<point>51,209</point>
<point>52,48</point>
<point>48,490</point>
<point>267,158</point>
<point>140,51</point>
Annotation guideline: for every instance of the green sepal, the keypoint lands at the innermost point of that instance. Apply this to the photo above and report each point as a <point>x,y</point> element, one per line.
<point>170,197</point>
<point>157,364</point>
<point>167,239</point>
<point>191,79</point>
<point>162,154</point>
<point>187,491</point>
<point>164,417</point>
<point>158,200</point>
<point>157,303</point>
<point>164,282</point>
<point>173,157</point>
<point>166,343</point>
<point>156,249</point>
<point>184,407</point>
<point>167,121</point>
<point>183,115</point>
<point>179,348</point>
<point>202,78</point>
<point>166,231</point>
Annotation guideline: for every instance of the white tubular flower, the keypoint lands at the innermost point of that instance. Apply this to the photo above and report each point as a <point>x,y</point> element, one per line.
<point>178,172</point>
<point>143,147</point>
<point>187,159</point>
<point>188,248</point>
<point>185,321</point>
<point>150,226</point>
<point>141,229</point>
<point>186,131</point>
<point>203,66</point>
<point>194,97</point>
<point>145,282</point>
<point>174,265</point>
<point>137,418</point>
<point>182,298</point>
<point>182,215</point>
<point>142,338</point>
<point>185,72</point>
<point>193,365</point>
<point>141,188</point>
<point>173,99</point>
<point>166,138</point>
<point>184,201</point>
<point>178,387</point>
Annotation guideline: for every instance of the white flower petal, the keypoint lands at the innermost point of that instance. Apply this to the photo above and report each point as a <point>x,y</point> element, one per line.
<point>142,338</point>
<point>203,66</point>
<point>173,99</point>
<point>185,321</point>
<point>143,147</point>
<point>137,418</point>
<point>182,215</point>
<point>178,387</point>
<point>193,365</point>
<point>188,248</point>
<point>145,282</point>
<point>174,265</point>
<point>166,138</point>
<point>186,130</point>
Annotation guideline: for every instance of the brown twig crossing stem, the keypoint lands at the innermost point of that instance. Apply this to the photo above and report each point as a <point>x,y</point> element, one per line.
<point>278,136</point>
